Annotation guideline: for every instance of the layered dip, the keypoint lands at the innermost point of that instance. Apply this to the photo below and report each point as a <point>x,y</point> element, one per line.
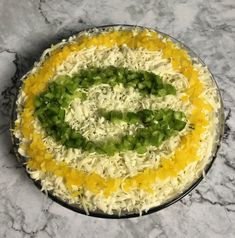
<point>117,120</point>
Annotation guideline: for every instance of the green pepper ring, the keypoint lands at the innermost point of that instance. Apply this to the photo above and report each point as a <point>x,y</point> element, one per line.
<point>50,110</point>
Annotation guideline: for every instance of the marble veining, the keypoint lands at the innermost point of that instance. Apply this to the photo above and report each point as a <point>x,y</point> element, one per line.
<point>29,26</point>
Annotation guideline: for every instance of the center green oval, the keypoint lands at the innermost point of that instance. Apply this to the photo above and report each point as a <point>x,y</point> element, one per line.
<point>158,125</point>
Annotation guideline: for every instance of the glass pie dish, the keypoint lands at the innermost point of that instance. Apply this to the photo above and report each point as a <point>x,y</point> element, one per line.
<point>217,133</point>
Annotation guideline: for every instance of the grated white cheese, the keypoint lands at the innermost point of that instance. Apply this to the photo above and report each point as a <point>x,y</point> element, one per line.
<point>125,164</point>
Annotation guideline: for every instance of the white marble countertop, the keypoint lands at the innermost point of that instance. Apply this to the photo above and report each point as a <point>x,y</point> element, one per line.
<point>29,26</point>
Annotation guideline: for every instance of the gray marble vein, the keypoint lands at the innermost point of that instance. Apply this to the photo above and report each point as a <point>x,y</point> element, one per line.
<point>29,26</point>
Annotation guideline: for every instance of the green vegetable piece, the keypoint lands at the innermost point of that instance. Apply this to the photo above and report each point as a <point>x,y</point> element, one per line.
<point>131,76</point>
<point>58,91</point>
<point>157,138</point>
<point>85,83</point>
<point>170,89</point>
<point>38,103</point>
<point>162,92</point>
<point>146,115</point>
<point>140,149</point>
<point>62,79</point>
<point>141,85</point>
<point>132,139</point>
<point>158,115</point>
<point>115,116</point>
<point>133,83</point>
<point>168,115</point>
<point>55,120</point>
<point>132,117</point>
<point>158,82</point>
<point>126,145</point>
<point>71,87</point>
<point>51,87</point>
<point>179,125</point>
<point>77,79</point>
<point>79,141</point>
<point>48,96</point>
<point>90,146</point>
<point>179,115</point>
<point>148,84</point>
<point>52,109</point>
<point>109,148</point>
<point>110,71</point>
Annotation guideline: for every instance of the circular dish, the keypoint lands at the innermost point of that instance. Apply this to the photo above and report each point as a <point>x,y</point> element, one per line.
<point>181,59</point>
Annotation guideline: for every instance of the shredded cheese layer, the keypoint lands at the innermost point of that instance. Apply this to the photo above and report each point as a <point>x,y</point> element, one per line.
<point>126,181</point>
